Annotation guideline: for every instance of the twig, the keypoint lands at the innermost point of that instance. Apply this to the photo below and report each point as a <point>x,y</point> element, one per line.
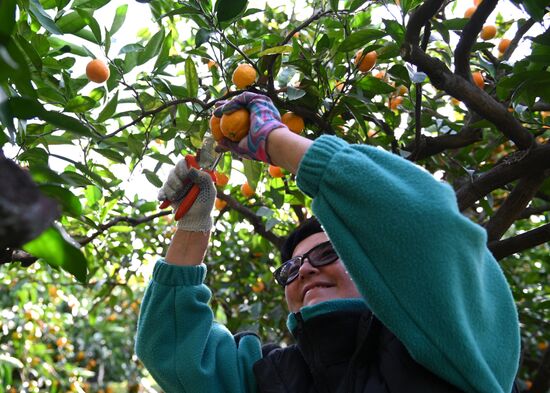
<point>162,107</point>
<point>522,30</point>
<point>253,219</point>
<point>475,98</point>
<point>525,241</point>
<point>469,36</point>
<point>231,44</point>
<point>534,211</point>
<point>514,204</point>
<point>130,220</point>
<point>515,166</point>
<point>428,146</point>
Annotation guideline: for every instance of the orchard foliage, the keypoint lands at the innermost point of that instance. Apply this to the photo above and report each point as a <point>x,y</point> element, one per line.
<point>439,95</point>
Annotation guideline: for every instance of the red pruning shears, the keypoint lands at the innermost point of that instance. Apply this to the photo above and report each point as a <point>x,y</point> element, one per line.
<point>206,160</point>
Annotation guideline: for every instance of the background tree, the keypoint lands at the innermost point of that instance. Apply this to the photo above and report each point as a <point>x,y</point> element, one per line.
<point>415,78</point>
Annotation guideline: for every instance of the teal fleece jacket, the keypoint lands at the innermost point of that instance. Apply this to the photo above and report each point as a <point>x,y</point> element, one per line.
<point>421,266</point>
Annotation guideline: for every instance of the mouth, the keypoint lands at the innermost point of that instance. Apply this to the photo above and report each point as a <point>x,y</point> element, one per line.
<point>308,288</point>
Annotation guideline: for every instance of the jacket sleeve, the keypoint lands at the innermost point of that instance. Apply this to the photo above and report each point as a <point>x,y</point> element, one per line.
<point>422,267</point>
<point>182,346</point>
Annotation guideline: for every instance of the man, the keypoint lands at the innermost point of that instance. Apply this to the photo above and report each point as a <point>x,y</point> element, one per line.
<point>405,297</point>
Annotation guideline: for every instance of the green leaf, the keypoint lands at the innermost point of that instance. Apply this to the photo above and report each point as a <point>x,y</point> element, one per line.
<point>152,48</point>
<point>276,50</point>
<point>131,48</point>
<point>202,37</point>
<point>68,47</point>
<point>43,18</point>
<point>191,78</point>
<point>535,8</point>
<point>374,85</point>
<point>226,10</point>
<point>111,154</point>
<point>13,64</point>
<point>7,19</point>
<point>26,108</point>
<point>455,24</point>
<point>184,11</point>
<point>356,4</point>
<point>164,55</point>
<point>135,145</point>
<point>71,23</point>
<point>360,39</point>
<point>90,4</point>
<point>68,201</point>
<point>153,178</point>
<point>120,16</point>
<point>93,195</point>
<point>252,171</point>
<point>58,250</point>
<point>395,30</point>
<point>80,104</point>
<point>109,109</point>
<point>29,51</point>
<point>92,23</point>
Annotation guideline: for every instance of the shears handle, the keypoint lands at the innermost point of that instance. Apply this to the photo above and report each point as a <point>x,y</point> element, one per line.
<point>191,162</point>
<point>191,197</point>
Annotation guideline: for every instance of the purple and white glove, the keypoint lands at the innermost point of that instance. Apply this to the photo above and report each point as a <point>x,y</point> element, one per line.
<point>264,118</point>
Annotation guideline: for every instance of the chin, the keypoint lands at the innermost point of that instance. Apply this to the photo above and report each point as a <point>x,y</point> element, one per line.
<point>316,297</point>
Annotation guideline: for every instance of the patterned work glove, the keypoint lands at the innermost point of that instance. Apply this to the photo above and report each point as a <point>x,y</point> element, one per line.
<point>264,118</point>
<point>179,182</point>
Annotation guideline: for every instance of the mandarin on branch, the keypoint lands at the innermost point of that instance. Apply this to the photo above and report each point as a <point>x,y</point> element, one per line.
<point>504,44</point>
<point>235,125</point>
<point>469,12</point>
<point>244,76</point>
<point>97,71</point>
<point>215,128</point>
<point>367,62</point>
<point>247,190</point>
<point>488,32</point>
<point>275,171</point>
<point>478,79</point>
<point>294,122</point>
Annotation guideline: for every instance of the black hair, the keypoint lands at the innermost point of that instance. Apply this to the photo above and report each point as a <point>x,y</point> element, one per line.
<point>304,230</point>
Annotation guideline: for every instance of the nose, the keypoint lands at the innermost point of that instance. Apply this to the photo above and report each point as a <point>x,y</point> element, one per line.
<point>307,269</point>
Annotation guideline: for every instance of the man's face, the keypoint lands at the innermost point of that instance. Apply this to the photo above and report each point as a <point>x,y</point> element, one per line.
<point>317,284</point>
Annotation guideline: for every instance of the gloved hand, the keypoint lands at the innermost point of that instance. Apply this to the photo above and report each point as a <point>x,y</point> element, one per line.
<point>175,188</point>
<point>264,118</point>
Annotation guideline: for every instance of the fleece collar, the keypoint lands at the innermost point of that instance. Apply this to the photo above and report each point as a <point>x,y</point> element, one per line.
<point>308,312</point>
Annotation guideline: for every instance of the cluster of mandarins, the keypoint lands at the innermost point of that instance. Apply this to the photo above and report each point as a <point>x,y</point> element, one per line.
<point>488,32</point>
<point>366,63</point>
<point>235,125</point>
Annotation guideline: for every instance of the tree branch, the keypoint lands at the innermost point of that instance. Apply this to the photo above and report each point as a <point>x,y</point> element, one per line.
<point>541,382</point>
<point>151,112</point>
<point>525,241</point>
<point>418,19</point>
<point>541,106</point>
<point>469,37</point>
<point>533,211</point>
<point>475,98</point>
<point>428,146</point>
<point>513,167</point>
<point>253,219</point>
<point>522,30</point>
<point>512,207</point>
<point>129,220</point>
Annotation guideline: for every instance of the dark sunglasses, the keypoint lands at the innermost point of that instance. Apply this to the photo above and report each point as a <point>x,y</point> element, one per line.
<point>321,255</point>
